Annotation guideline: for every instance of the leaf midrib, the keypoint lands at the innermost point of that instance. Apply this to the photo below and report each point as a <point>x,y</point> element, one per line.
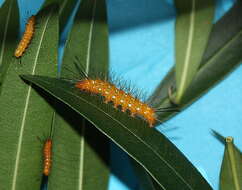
<point>82,157</point>
<point>62,7</point>
<point>19,146</point>
<point>81,173</point>
<point>90,38</point>
<point>232,161</point>
<point>188,52</point>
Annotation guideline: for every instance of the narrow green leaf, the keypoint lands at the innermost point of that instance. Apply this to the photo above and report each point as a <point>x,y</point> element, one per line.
<point>161,159</point>
<point>79,149</point>
<point>24,115</point>
<point>231,170</point>
<point>65,9</point>
<point>193,25</point>
<point>222,55</point>
<point>9,23</point>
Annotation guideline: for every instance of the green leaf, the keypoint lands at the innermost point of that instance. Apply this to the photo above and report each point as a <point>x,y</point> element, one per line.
<point>193,25</point>
<point>65,10</point>
<point>80,149</point>
<point>231,170</point>
<point>222,56</point>
<point>161,159</point>
<point>25,117</point>
<point>9,22</point>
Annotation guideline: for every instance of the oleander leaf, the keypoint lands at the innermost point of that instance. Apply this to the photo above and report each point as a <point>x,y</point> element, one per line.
<point>161,159</point>
<point>221,57</point>
<point>231,170</point>
<point>25,117</point>
<point>193,25</point>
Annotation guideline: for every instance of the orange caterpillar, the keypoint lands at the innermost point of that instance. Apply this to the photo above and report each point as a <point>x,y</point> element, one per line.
<point>47,157</point>
<point>119,98</point>
<point>28,35</point>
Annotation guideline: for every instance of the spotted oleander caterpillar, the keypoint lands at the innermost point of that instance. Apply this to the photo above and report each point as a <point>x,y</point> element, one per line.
<point>27,36</point>
<point>119,98</point>
<point>47,151</point>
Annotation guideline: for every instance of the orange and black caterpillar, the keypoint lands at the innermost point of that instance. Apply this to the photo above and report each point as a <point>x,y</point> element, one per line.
<point>119,98</point>
<point>27,36</point>
<point>47,151</point>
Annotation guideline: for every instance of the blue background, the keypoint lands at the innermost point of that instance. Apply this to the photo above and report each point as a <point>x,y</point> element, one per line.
<point>142,51</point>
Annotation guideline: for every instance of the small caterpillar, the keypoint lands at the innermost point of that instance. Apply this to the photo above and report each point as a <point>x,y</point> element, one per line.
<point>47,157</point>
<point>119,98</point>
<point>28,35</point>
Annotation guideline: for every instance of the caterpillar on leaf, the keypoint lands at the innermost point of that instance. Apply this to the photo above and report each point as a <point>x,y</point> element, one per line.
<point>120,98</point>
<point>47,152</point>
<point>27,37</point>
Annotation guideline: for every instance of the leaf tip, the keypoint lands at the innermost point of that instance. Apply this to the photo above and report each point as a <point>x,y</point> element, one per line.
<point>218,136</point>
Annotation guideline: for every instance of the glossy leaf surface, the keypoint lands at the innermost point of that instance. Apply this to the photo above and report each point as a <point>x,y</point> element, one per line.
<point>222,56</point>
<point>193,25</point>
<point>25,116</point>
<point>231,170</point>
<point>147,146</point>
